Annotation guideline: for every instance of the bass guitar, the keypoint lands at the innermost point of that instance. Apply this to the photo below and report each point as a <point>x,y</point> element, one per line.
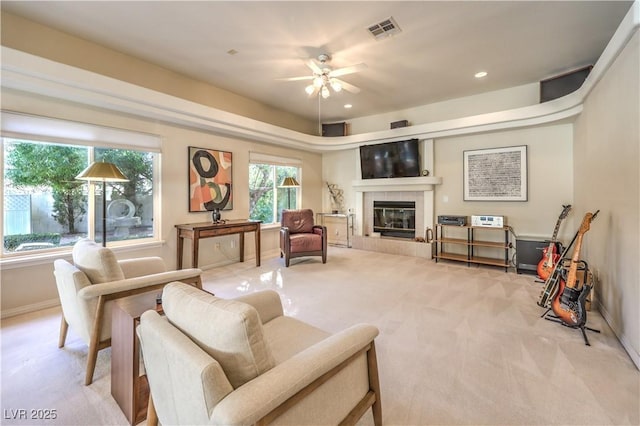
<point>550,255</point>
<point>568,304</point>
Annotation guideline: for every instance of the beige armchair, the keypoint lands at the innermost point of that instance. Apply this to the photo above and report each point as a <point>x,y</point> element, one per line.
<point>242,362</point>
<point>88,287</point>
<point>299,236</point>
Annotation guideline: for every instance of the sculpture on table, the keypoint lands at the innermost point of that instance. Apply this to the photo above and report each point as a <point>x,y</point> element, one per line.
<point>337,198</point>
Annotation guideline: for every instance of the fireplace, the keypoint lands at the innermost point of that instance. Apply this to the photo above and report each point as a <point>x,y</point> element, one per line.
<point>418,190</point>
<point>395,218</point>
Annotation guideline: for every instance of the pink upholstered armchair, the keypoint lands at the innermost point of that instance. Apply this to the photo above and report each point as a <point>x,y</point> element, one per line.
<point>299,236</point>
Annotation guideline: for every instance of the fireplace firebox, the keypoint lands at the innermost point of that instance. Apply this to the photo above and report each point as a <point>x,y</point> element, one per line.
<point>395,218</point>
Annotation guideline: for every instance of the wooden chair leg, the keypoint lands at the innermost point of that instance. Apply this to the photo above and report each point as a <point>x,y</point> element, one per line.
<point>152,416</point>
<point>94,343</point>
<point>374,384</point>
<point>64,326</point>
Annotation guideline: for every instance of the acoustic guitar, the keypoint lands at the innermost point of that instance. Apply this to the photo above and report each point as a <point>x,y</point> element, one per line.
<point>550,255</point>
<point>569,301</point>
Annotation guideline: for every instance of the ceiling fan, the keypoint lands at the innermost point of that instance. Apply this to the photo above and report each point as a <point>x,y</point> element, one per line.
<point>324,77</point>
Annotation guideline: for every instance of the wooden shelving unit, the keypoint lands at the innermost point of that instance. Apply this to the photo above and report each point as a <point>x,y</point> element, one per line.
<point>472,245</point>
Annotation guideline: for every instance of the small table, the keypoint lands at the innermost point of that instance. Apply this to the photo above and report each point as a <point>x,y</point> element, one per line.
<point>128,387</point>
<point>196,231</point>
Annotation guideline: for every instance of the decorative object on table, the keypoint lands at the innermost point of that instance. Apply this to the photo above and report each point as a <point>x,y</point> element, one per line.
<point>209,180</point>
<point>337,198</point>
<point>288,183</point>
<point>104,172</point>
<point>497,174</point>
<point>216,216</point>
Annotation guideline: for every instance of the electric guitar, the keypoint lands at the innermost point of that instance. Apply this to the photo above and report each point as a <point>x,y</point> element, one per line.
<point>568,303</point>
<point>550,255</point>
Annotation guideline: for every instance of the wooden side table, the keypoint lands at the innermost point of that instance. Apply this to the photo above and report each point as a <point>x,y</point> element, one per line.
<point>197,231</point>
<point>128,387</point>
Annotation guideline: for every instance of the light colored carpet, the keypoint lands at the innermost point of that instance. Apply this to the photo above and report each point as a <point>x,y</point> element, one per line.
<point>457,345</point>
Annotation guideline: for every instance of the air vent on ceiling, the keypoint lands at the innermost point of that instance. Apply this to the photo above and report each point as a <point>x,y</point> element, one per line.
<point>385,28</point>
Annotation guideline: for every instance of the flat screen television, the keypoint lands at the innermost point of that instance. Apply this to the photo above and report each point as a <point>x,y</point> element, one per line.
<point>390,160</point>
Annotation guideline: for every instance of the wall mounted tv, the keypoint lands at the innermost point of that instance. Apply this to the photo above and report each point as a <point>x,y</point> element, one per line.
<point>390,160</point>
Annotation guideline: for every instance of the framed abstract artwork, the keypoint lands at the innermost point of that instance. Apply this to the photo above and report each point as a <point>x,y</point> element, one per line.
<point>498,174</point>
<point>210,176</point>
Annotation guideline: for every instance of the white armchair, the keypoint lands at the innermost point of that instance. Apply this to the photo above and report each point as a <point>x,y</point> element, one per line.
<point>242,362</point>
<point>88,287</point>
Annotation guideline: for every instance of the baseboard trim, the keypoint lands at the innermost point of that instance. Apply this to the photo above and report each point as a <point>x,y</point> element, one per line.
<point>7,313</point>
<point>633,354</point>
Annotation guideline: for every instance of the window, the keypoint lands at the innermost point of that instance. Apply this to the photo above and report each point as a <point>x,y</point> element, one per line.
<point>45,206</point>
<point>266,197</point>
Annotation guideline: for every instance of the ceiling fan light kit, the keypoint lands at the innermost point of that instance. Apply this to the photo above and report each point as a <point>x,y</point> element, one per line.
<point>324,78</point>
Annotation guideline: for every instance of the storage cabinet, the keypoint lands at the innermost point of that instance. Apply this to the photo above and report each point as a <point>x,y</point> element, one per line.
<point>339,227</point>
<point>478,240</point>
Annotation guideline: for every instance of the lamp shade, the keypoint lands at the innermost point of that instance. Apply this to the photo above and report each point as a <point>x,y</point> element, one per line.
<point>289,182</point>
<point>103,172</point>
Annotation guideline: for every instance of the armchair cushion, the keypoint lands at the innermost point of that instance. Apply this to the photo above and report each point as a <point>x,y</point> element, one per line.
<point>97,262</point>
<point>305,242</point>
<point>232,334</point>
<point>298,220</point>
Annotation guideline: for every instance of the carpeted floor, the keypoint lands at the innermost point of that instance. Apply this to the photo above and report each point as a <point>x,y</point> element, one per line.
<point>457,345</point>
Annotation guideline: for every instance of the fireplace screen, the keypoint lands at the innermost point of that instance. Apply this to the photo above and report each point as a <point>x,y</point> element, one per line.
<point>395,218</point>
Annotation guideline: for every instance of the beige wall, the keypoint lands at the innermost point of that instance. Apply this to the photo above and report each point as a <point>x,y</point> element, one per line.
<point>606,156</point>
<point>550,178</point>
<point>31,37</point>
<point>34,284</point>
<point>498,100</point>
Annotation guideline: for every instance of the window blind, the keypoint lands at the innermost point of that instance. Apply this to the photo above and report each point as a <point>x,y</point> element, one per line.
<point>24,126</point>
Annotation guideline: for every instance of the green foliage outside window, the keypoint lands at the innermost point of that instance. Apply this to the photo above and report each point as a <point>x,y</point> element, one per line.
<point>266,199</point>
<point>53,166</point>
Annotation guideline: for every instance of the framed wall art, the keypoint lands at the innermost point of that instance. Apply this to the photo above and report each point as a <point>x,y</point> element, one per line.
<point>498,174</point>
<point>210,176</point>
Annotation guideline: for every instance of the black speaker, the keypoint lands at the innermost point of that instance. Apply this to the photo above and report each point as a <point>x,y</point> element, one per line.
<point>401,123</point>
<point>561,85</point>
<point>334,129</point>
<point>529,254</point>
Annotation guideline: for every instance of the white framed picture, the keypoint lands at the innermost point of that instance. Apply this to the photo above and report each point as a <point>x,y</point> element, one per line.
<point>496,174</point>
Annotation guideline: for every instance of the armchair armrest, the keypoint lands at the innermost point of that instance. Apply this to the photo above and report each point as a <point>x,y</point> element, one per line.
<point>319,229</point>
<point>267,303</point>
<point>131,284</point>
<point>262,395</point>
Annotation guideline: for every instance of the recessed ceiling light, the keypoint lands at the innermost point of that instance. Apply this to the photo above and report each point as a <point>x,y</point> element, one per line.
<point>480,74</point>
<point>348,106</point>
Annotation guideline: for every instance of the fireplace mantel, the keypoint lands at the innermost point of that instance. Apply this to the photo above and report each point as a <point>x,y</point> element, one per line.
<point>422,183</point>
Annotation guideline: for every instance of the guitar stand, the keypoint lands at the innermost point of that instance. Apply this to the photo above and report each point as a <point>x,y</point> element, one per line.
<point>582,327</point>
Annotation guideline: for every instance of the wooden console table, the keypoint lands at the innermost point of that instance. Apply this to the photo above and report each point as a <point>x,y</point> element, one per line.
<point>196,231</point>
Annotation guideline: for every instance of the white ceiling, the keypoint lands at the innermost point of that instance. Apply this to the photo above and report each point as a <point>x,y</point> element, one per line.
<point>441,46</point>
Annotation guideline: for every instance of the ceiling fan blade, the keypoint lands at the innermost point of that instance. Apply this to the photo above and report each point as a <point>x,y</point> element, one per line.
<point>309,77</point>
<point>347,70</point>
<point>348,87</point>
<point>314,67</point>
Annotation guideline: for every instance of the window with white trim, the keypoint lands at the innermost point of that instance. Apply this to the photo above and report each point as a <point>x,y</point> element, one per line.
<point>267,197</point>
<point>45,207</point>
